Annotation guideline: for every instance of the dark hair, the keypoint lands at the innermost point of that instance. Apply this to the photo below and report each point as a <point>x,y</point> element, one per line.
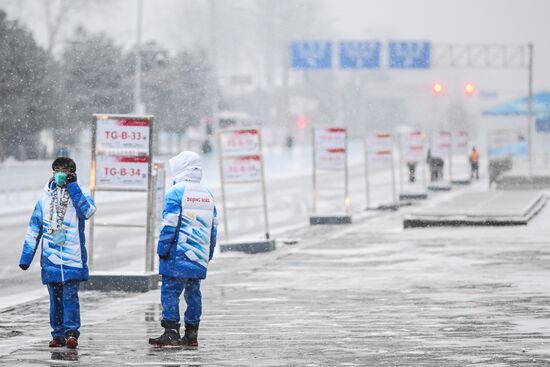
<point>64,162</point>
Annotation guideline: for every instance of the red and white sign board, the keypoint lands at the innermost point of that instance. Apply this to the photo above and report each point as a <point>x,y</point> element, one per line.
<point>122,153</point>
<point>330,148</point>
<point>441,144</point>
<point>127,135</point>
<point>460,142</point>
<point>379,147</point>
<point>243,168</point>
<point>239,142</point>
<point>412,144</point>
<point>241,162</point>
<point>331,158</point>
<point>115,171</point>
<point>330,137</point>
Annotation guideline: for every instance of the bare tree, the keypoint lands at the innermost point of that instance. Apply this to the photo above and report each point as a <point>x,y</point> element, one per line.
<point>57,14</point>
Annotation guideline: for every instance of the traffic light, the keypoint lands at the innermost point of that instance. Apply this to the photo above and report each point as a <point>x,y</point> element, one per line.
<point>301,121</point>
<point>437,88</point>
<point>469,88</point>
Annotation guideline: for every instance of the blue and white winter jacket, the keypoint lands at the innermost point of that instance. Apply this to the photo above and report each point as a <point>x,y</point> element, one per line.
<point>59,263</point>
<point>188,235</point>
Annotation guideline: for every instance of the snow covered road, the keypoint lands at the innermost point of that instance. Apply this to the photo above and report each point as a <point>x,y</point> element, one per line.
<point>369,294</point>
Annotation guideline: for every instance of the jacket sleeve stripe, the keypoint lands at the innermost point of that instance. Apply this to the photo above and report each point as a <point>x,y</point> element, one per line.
<point>170,218</point>
<point>32,238</point>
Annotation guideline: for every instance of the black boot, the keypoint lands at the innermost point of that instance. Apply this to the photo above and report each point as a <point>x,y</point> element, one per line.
<point>171,336</point>
<point>190,337</point>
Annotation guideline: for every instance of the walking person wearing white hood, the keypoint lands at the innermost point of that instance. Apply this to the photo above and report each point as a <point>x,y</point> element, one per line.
<point>186,245</point>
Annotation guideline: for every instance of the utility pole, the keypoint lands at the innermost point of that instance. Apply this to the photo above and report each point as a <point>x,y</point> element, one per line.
<point>214,63</point>
<point>138,106</point>
<point>530,110</point>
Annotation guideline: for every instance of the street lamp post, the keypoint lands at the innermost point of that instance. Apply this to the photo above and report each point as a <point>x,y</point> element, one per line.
<point>213,61</point>
<point>138,105</point>
<point>530,110</point>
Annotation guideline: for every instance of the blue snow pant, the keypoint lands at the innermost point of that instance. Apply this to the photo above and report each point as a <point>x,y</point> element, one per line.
<point>170,298</point>
<point>64,308</point>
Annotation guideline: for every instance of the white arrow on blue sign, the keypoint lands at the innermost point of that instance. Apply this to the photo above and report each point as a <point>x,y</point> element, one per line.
<point>409,55</point>
<point>359,55</point>
<point>311,54</point>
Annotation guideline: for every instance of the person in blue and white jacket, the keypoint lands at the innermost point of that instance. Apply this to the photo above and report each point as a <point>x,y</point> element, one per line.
<point>186,245</point>
<point>57,227</point>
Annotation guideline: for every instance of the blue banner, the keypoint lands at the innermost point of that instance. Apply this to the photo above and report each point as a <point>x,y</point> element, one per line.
<point>409,55</point>
<point>311,55</point>
<point>359,55</point>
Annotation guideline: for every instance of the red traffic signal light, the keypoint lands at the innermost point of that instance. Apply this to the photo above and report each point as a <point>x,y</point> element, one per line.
<point>301,121</point>
<point>437,88</point>
<point>469,88</point>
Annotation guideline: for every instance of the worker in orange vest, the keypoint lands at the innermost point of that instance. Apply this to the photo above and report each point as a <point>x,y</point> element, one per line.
<point>474,163</point>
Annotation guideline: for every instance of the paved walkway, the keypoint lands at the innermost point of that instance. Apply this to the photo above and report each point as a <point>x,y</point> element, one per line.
<point>369,294</point>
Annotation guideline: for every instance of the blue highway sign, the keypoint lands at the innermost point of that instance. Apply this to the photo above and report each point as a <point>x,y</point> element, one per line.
<point>311,54</point>
<point>359,55</point>
<point>409,55</point>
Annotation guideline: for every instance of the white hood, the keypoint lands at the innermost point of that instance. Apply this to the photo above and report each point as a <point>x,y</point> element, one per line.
<point>186,166</point>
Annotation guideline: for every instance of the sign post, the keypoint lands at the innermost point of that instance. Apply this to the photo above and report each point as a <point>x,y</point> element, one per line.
<point>412,151</point>
<point>441,150</point>
<point>330,153</point>
<point>159,190</point>
<point>241,162</point>
<point>460,141</point>
<point>122,147</point>
<point>379,150</point>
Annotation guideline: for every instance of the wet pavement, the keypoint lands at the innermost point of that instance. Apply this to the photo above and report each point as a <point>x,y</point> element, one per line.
<point>369,294</point>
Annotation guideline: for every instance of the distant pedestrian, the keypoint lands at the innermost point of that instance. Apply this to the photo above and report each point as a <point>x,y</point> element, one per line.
<point>411,165</point>
<point>474,163</point>
<point>289,141</point>
<point>57,225</point>
<point>436,165</point>
<point>186,245</point>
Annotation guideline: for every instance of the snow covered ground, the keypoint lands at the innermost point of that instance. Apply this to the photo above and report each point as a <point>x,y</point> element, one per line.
<point>370,293</point>
<point>288,175</point>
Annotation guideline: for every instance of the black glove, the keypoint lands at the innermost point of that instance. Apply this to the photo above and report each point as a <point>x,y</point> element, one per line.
<point>23,266</point>
<point>71,177</point>
<point>163,257</point>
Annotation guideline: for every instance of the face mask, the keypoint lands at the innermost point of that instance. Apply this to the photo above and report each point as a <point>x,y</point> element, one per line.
<point>60,178</point>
